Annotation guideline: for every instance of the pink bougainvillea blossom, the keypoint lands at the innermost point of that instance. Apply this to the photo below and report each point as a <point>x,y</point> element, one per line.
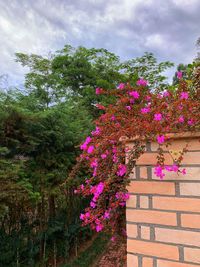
<point>134,94</point>
<point>104,156</point>
<point>121,86</point>
<point>158,117</point>
<point>142,82</point>
<point>145,110</point>
<point>121,170</point>
<point>181,119</point>
<point>179,75</point>
<point>98,91</point>
<point>90,149</point>
<point>99,227</point>
<point>160,139</point>
<point>96,132</point>
<point>128,107</point>
<point>184,95</point>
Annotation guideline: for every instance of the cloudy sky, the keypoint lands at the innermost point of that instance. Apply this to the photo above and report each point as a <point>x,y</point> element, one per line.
<point>168,28</point>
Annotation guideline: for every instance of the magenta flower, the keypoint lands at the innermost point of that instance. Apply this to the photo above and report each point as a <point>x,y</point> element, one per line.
<point>113,118</point>
<point>96,132</point>
<point>158,117</point>
<point>98,91</point>
<point>121,86</point>
<point>158,171</point>
<point>184,95</point>
<point>99,188</point>
<point>145,110</point>
<point>92,205</point>
<point>190,122</point>
<point>94,163</point>
<point>106,215</point>
<point>128,107</point>
<point>134,94</point>
<point>166,94</point>
<point>181,119</point>
<point>160,139</point>
<point>142,82</point>
<point>90,149</point>
<point>132,101</point>
<point>121,170</point>
<point>99,227</point>
<point>103,156</point>
<point>179,75</point>
<point>82,216</point>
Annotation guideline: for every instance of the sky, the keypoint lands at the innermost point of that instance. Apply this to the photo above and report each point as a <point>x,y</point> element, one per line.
<point>168,28</point>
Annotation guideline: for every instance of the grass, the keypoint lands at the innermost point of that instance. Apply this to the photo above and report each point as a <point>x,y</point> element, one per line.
<point>88,257</point>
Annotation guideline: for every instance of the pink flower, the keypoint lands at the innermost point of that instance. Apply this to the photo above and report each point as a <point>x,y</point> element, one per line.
<point>158,117</point>
<point>96,132</point>
<point>179,74</point>
<point>98,91</point>
<point>92,204</point>
<point>166,94</point>
<point>148,98</point>
<point>160,139</point>
<point>90,149</point>
<point>82,216</point>
<point>99,188</point>
<point>121,86</point>
<point>190,122</point>
<point>132,101</point>
<point>181,119</point>
<point>103,156</point>
<point>142,82</point>
<point>87,141</point>
<point>121,170</point>
<point>134,94</point>
<point>128,107</point>
<point>113,239</point>
<point>184,95</point>
<point>106,215</point>
<point>99,227</point>
<point>112,118</point>
<point>94,163</point>
<point>158,171</point>
<point>145,110</point>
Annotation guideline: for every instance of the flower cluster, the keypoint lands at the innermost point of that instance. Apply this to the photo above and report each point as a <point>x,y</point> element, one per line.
<point>138,112</point>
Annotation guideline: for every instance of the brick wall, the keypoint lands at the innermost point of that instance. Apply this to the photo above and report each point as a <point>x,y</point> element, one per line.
<point>163,217</point>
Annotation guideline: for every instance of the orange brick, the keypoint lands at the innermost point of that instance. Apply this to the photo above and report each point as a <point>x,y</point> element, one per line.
<point>178,204</point>
<point>155,187</point>
<point>145,232</point>
<point>151,159</point>
<point>131,230</point>
<point>153,249</point>
<point>149,216</point>
<point>144,202</point>
<point>192,254</point>
<point>190,220</point>
<point>132,260</point>
<point>190,189</point>
<point>143,172</point>
<point>192,173</point>
<point>163,263</point>
<point>177,236</point>
<point>131,202</point>
<point>147,262</point>
<point>191,158</point>
<point>192,144</point>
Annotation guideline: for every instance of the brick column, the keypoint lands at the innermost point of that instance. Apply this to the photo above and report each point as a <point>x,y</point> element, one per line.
<point>163,217</point>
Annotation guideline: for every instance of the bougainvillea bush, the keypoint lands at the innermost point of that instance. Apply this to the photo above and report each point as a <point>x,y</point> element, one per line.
<point>141,113</point>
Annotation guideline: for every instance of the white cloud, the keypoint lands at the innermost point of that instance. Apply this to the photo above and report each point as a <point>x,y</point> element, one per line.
<point>129,28</point>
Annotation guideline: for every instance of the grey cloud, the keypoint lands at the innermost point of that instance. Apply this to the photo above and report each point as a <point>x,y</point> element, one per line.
<point>128,28</point>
